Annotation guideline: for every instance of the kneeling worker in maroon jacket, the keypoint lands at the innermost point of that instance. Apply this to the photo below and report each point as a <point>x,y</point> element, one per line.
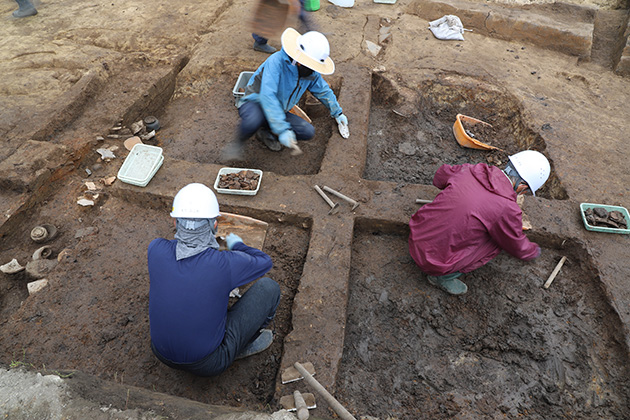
<point>474,217</point>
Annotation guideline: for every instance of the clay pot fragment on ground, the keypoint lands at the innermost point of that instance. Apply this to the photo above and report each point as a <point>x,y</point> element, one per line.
<point>90,230</point>
<point>35,286</point>
<point>42,253</point>
<point>66,254</point>
<point>39,268</point>
<point>43,233</point>
<point>11,267</point>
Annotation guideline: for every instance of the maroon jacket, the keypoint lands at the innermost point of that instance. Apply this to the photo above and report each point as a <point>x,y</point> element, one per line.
<point>469,222</point>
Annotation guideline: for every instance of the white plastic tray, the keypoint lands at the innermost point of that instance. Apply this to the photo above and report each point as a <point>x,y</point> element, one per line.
<point>141,164</point>
<point>241,82</point>
<point>224,171</point>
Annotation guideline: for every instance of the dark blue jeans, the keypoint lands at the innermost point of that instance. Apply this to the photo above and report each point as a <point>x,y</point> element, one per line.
<point>255,310</point>
<point>253,118</point>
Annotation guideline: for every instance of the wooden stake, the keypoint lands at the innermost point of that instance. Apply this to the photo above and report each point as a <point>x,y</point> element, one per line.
<point>554,272</point>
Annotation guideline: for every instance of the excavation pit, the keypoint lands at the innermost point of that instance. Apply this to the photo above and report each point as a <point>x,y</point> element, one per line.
<point>508,348</point>
<point>411,129</point>
<point>93,316</point>
<point>198,123</point>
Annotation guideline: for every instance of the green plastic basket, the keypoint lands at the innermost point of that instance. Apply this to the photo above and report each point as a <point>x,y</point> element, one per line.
<point>622,210</point>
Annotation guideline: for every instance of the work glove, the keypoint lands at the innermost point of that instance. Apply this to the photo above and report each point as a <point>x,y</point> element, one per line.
<point>232,239</point>
<point>342,125</point>
<point>342,119</point>
<point>287,139</point>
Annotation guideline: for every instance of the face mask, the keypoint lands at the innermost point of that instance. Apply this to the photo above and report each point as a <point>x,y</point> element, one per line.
<point>511,172</point>
<point>304,71</point>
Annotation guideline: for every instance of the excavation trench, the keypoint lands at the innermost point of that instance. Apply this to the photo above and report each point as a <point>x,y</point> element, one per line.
<point>506,348</point>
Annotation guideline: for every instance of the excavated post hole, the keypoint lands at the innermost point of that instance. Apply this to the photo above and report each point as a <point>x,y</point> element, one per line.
<point>411,129</point>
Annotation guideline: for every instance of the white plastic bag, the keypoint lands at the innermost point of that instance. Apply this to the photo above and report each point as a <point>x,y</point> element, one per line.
<point>448,27</point>
<point>342,3</point>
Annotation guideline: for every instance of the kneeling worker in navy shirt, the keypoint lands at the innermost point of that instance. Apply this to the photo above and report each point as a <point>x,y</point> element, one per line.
<point>192,328</point>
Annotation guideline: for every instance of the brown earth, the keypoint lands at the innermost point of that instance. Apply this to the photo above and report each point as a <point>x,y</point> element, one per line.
<point>382,340</point>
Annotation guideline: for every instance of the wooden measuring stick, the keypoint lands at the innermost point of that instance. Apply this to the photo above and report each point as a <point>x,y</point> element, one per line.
<point>555,272</point>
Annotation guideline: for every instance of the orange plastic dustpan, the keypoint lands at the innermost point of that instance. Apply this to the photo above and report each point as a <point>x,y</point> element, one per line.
<point>464,139</point>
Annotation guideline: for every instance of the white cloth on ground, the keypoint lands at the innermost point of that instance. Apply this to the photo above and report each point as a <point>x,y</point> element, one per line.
<point>448,27</point>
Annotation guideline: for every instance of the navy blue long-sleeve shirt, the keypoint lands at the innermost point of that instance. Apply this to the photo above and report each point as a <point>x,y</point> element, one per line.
<point>188,299</point>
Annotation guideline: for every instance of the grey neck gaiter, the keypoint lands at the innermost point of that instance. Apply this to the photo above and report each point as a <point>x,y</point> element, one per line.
<point>194,236</point>
<point>513,175</point>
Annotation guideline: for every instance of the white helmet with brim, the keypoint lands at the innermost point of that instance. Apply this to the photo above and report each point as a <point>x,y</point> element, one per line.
<point>311,50</point>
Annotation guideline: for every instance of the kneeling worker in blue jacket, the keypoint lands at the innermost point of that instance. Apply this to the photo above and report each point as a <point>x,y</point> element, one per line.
<point>277,86</point>
<point>192,328</point>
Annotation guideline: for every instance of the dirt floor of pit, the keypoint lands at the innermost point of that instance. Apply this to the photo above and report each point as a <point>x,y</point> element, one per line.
<point>196,127</point>
<point>506,349</point>
<point>94,310</point>
<point>67,80</point>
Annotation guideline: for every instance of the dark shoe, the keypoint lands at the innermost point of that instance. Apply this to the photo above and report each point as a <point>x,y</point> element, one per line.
<point>266,48</point>
<point>26,9</point>
<point>261,343</point>
<point>452,286</point>
<point>233,151</point>
<point>269,140</point>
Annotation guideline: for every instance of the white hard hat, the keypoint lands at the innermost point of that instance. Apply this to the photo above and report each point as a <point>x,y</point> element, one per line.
<point>533,167</point>
<point>195,201</point>
<point>311,50</point>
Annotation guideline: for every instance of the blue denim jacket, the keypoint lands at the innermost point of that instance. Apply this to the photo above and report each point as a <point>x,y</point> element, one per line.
<point>277,87</point>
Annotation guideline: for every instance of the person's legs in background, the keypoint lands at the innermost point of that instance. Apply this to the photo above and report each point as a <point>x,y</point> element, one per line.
<point>26,9</point>
<point>260,44</point>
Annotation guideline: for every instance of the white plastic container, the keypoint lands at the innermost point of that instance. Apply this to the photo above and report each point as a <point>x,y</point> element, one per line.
<point>241,82</point>
<point>141,165</point>
<point>224,171</point>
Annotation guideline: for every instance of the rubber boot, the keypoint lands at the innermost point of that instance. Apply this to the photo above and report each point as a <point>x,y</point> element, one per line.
<point>261,343</point>
<point>449,283</point>
<point>26,9</point>
<point>269,139</point>
<point>266,48</point>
